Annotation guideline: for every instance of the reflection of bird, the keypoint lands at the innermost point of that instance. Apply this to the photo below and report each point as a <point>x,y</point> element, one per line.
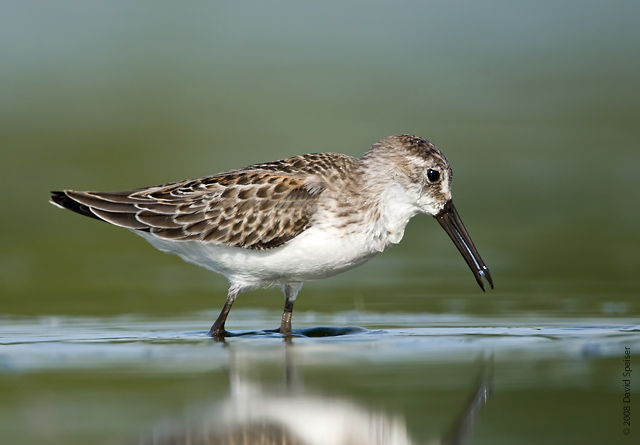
<point>305,419</point>
<point>252,416</point>
<point>286,222</point>
<point>255,415</point>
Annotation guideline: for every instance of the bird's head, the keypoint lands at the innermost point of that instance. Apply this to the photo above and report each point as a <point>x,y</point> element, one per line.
<point>421,169</point>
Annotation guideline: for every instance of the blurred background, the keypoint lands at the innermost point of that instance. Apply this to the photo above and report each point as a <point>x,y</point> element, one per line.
<point>535,104</point>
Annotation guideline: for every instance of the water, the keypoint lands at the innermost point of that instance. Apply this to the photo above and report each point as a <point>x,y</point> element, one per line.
<point>536,107</point>
<point>127,378</point>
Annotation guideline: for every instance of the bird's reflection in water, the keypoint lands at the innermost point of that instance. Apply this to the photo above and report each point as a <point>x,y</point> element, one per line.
<point>292,415</point>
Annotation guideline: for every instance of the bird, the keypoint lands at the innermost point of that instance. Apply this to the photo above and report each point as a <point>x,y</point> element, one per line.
<point>286,222</point>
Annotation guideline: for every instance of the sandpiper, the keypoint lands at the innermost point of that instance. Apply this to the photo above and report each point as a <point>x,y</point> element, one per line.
<point>286,222</point>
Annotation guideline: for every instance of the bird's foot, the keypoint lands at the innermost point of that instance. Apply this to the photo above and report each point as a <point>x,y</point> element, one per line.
<point>218,333</point>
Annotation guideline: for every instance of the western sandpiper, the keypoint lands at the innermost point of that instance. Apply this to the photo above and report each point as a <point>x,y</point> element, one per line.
<point>286,222</point>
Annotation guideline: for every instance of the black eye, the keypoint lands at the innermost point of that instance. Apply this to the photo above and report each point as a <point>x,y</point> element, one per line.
<point>433,175</point>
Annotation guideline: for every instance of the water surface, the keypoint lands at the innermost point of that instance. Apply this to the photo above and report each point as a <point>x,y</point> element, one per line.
<point>124,379</point>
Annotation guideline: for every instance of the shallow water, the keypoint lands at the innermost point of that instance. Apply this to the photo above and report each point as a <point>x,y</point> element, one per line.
<point>462,379</point>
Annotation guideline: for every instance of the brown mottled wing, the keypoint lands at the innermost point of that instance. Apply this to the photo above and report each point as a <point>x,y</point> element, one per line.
<point>254,208</point>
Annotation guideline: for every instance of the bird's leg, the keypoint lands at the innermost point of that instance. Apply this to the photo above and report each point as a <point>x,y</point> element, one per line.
<point>285,325</point>
<point>217,330</point>
<point>290,294</point>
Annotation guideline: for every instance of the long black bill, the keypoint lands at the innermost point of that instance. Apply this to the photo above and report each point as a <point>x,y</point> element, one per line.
<point>452,224</point>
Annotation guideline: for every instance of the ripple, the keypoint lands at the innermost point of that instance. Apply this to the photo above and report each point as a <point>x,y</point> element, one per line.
<point>31,344</point>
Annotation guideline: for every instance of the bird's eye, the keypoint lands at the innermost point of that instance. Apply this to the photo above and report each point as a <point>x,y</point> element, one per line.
<point>433,175</point>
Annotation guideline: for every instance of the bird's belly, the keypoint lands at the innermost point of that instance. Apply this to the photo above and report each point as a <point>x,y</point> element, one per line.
<point>312,255</point>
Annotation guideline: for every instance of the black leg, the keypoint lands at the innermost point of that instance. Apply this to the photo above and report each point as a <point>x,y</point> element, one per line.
<point>290,294</point>
<point>285,325</point>
<point>217,330</point>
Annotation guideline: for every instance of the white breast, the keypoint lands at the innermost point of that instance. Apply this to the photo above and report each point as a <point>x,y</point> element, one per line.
<point>314,254</point>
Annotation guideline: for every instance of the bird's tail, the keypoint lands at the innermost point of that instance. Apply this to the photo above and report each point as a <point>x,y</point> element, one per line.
<point>64,201</point>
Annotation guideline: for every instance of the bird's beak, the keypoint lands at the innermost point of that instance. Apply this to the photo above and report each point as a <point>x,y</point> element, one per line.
<point>452,224</point>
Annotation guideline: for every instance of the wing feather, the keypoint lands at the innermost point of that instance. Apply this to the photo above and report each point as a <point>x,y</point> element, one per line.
<point>259,207</point>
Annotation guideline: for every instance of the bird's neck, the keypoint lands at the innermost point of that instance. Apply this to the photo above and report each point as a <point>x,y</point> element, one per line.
<point>392,202</point>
